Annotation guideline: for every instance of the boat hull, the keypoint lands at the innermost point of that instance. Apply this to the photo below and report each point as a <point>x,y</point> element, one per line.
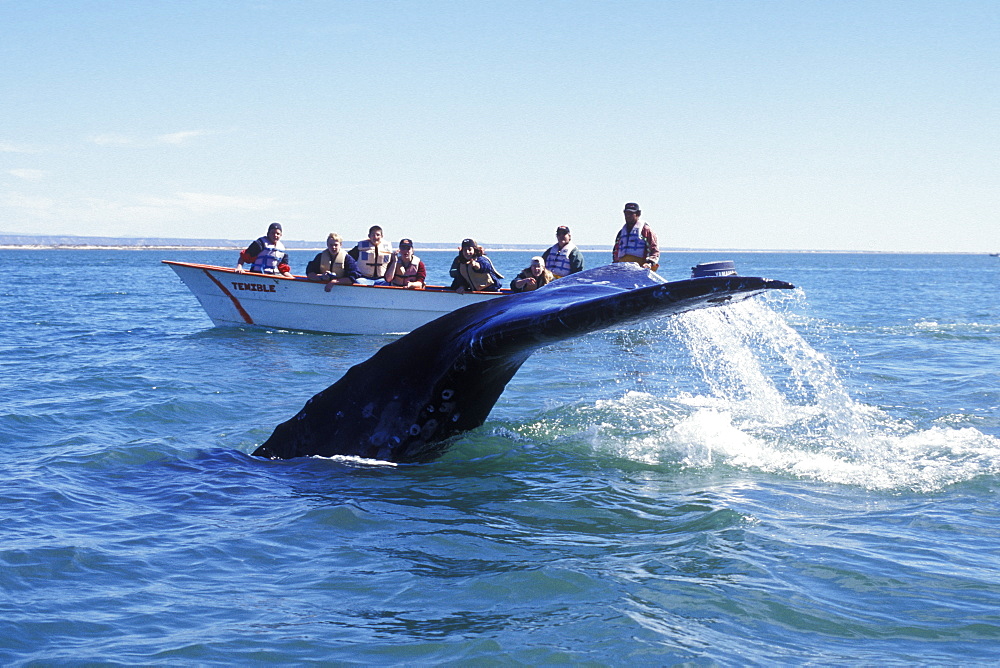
<point>231,298</point>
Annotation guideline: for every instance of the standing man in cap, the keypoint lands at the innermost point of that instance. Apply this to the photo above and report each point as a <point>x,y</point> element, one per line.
<point>406,270</point>
<point>564,258</point>
<point>266,255</point>
<point>636,241</point>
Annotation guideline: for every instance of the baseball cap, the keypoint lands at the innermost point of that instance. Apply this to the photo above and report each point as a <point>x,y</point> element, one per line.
<point>405,243</point>
<point>274,226</point>
<point>632,206</point>
<point>562,229</point>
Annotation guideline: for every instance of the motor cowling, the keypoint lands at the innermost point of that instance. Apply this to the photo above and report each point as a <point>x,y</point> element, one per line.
<point>718,268</point>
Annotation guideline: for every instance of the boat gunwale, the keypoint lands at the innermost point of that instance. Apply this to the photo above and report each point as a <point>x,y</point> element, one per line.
<point>302,279</point>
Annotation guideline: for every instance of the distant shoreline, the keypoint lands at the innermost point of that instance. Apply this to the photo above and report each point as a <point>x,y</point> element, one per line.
<point>490,248</point>
<point>118,247</point>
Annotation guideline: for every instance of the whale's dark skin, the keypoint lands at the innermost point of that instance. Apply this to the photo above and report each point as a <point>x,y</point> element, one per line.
<point>441,379</point>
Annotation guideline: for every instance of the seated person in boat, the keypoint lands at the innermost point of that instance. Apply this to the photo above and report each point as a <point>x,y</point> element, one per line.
<point>563,258</point>
<point>532,277</point>
<point>373,256</point>
<point>472,270</point>
<point>333,265</point>
<point>267,254</point>
<point>406,270</point>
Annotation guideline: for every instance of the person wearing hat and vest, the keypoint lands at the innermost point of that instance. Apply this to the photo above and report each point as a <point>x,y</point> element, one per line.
<point>472,270</point>
<point>564,258</point>
<point>333,266</point>
<point>267,254</point>
<point>636,241</point>
<point>373,257</point>
<point>533,277</point>
<point>407,270</point>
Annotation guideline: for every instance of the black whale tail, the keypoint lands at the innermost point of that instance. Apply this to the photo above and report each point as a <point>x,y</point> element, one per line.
<point>444,378</point>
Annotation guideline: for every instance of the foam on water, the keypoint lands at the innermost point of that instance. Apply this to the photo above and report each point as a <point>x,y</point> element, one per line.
<point>359,462</point>
<point>776,404</point>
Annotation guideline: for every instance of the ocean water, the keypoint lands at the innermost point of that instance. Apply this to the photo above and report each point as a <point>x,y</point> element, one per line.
<point>809,477</point>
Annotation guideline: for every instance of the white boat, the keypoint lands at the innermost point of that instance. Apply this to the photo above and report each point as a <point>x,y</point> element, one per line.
<point>233,298</point>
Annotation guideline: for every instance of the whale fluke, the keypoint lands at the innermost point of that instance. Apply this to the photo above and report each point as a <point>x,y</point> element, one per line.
<point>404,402</point>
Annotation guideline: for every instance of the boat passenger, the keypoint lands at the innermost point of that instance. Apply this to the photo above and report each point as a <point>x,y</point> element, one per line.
<point>636,241</point>
<point>333,266</point>
<point>373,256</point>
<point>564,258</point>
<point>532,277</point>
<point>472,270</point>
<point>407,270</point>
<point>267,254</point>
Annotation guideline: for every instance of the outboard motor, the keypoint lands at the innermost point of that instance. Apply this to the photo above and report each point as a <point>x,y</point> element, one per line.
<point>720,268</point>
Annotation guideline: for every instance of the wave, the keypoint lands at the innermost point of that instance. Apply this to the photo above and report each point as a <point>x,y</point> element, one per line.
<point>770,402</point>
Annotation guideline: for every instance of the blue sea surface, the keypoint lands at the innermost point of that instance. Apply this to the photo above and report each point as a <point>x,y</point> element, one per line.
<point>808,477</point>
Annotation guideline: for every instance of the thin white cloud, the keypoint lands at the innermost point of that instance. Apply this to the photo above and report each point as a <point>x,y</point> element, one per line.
<point>179,137</point>
<point>113,139</point>
<point>180,214</point>
<point>34,205</point>
<point>120,139</point>
<point>27,174</point>
<point>7,147</point>
<point>201,202</point>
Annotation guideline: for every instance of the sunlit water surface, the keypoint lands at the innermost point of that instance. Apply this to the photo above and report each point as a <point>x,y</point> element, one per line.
<point>809,477</point>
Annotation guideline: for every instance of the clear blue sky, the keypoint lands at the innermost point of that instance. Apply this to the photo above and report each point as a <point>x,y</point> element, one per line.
<point>773,124</point>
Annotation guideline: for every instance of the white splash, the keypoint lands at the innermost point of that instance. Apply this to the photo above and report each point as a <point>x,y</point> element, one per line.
<point>776,404</point>
<point>352,460</point>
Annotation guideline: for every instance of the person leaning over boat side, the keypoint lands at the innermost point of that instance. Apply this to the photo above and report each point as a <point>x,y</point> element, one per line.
<point>267,254</point>
<point>636,241</point>
<point>406,270</point>
<point>472,270</point>
<point>564,258</point>
<point>333,265</point>
<point>373,257</point>
<point>532,277</point>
